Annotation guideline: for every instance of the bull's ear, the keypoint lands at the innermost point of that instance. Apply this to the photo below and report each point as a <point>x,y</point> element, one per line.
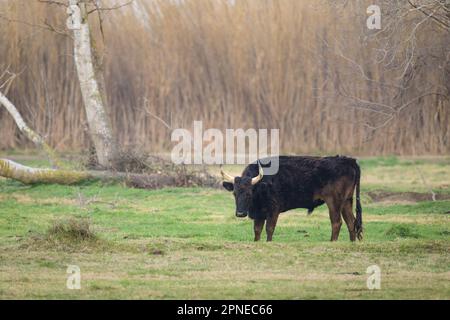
<point>228,185</point>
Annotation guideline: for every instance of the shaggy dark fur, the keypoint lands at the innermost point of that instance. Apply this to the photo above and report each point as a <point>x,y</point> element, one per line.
<point>301,182</point>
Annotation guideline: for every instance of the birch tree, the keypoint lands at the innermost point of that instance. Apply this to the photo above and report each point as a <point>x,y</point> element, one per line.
<point>99,123</point>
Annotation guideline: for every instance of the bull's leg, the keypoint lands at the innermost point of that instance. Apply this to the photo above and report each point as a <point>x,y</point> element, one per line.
<point>349,218</point>
<point>334,208</point>
<point>258,225</point>
<point>271,224</point>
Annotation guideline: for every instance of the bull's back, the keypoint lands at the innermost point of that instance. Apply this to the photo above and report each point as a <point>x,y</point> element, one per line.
<point>299,178</point>
<point>292,168</point>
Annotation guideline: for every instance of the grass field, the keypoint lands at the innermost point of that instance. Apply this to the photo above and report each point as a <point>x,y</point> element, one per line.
<point>187,244</point>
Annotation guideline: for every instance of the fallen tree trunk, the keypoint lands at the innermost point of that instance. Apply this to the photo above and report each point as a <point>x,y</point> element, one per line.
<point>28,175</point>
<point>13,170</point>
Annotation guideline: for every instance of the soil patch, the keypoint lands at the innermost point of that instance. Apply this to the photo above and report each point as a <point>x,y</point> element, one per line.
<point>385,196</point>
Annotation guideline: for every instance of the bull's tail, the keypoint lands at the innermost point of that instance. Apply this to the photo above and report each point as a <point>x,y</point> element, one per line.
<point>358,223</point>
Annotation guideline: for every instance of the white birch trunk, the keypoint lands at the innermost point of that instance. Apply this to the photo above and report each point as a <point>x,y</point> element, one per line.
<point>27,131</point>
<point>98,120</point>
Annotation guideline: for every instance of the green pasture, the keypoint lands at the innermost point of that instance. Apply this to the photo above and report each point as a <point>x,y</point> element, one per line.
<point>185,243</point>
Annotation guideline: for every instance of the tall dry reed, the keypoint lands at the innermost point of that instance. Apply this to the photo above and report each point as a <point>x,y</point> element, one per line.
<point>287,64</point>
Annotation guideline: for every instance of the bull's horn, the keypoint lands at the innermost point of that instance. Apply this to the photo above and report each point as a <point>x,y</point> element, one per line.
<point>258,178</point>
<point>226,177</point>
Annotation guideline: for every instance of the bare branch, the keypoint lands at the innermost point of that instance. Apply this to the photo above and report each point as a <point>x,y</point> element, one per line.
<point>442,23</point>
<point>53,2</point>
<point>98,8</point>
<point>46,26</point>
<point>159,119</point>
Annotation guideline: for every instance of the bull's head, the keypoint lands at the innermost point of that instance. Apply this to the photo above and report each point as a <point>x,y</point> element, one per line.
<point>242,188</point>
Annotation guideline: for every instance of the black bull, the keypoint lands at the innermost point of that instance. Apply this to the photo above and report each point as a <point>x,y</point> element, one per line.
<point>301,182</point>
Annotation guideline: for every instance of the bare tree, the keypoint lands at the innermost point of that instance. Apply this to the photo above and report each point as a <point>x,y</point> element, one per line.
<point>99,122</point>
<point>404,53</point>
<point>98,119</point>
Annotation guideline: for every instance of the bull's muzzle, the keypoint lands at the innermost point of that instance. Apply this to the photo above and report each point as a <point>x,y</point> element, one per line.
<point>241,214</point>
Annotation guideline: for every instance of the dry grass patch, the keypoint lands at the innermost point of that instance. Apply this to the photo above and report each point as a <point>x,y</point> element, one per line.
<point>70,235</point>
<point>25,199</point>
